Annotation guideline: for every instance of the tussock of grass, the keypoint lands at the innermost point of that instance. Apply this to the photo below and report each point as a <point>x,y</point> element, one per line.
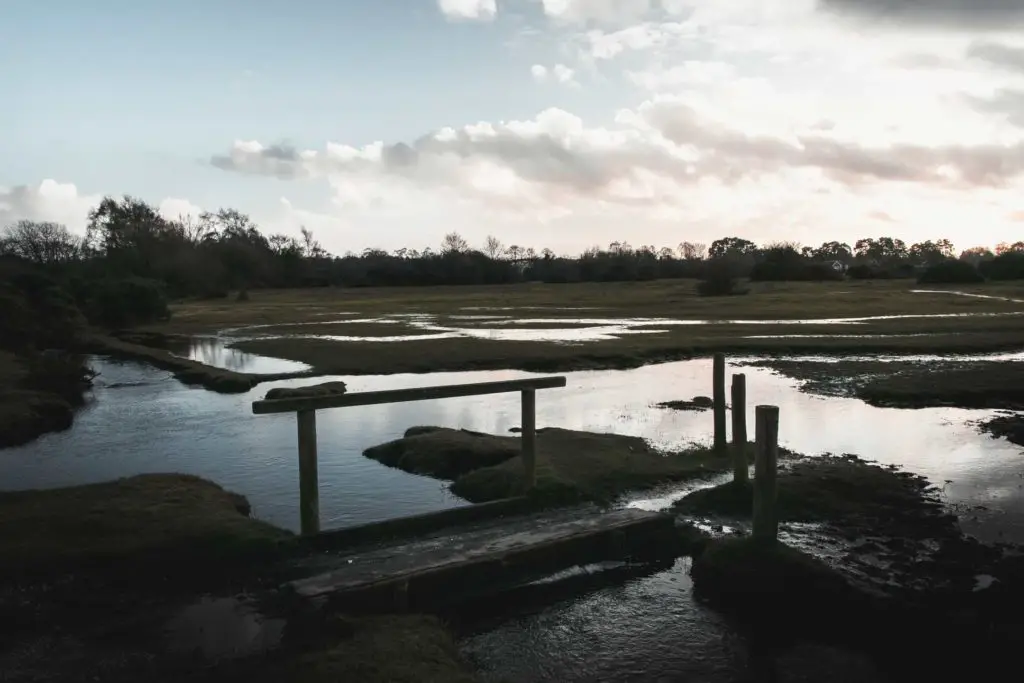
<point>845,492</point>
<point>138,517</point>
<point>444,453</point>
<point>756,578</point>
<point>696,404</point>
<point>571,465</point>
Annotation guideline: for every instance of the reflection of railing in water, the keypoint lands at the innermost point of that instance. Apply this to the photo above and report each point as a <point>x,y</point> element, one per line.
<point>306,407</point>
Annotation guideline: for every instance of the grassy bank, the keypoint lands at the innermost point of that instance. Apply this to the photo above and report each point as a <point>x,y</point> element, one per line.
<point>38,395</point>
<point>92,574</point>
<point>150,517</point>
<point>571,465</point>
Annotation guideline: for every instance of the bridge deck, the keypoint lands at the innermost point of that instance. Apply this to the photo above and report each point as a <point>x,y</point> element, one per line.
<point>484,558</point>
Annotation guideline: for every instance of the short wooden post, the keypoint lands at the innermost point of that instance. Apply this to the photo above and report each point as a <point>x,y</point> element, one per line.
<point>309,486</point>
<point>529,437</point>
<point>766,521</point>
<point>721,440</point>
<point>740,465</point>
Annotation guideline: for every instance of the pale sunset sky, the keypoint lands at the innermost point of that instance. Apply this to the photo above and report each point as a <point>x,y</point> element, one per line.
<point>548,123</point>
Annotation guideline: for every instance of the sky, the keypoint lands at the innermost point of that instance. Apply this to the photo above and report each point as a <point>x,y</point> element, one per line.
<point>547,123</point>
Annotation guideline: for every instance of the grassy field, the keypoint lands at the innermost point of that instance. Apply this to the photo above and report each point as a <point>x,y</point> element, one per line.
<point>288,322</point>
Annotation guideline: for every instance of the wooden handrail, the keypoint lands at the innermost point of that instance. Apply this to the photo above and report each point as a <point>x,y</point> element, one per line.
<point>367,398</point>
<point>305,408</point>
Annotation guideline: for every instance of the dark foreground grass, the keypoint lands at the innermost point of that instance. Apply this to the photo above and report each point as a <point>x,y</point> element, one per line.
<point>144,517</point>
<point>91,574</point>
<point>26,413</point>
<point>571,465</point>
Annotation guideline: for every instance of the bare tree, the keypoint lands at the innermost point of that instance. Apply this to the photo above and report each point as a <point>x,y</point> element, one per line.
<point>41,242</point>
<point>310,247</point>
<point>455,243</point>
<point>493,247</point>
<point>692,251</point>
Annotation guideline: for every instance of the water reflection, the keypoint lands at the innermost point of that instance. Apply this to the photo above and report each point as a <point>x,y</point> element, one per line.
<point>141,421</point>
<point>212,351</point>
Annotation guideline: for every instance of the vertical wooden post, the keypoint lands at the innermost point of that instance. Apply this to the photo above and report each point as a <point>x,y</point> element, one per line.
<point>740,465</point>
<point>766,520</point>
<point>721,440</point>
<point>529,437</point>
<point>309,486</point>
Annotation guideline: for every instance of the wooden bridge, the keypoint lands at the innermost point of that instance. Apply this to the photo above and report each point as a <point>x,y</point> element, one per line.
<point>476,549</point>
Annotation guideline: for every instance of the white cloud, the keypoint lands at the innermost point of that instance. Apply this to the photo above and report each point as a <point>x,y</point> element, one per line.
<point>49,201</point>
<point>173,208</point>
<point>477,10</point>
<point>559,73</point>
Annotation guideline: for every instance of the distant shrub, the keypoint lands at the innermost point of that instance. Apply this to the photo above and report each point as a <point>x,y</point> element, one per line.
<point>243,295</point>
<point>951,271</point>
<point>126,302</point>
<point>1008,266</point>
<point>719,280</point>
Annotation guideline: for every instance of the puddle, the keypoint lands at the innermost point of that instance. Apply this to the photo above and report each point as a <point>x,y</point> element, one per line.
<point>223,628</point>
<point>967,294</point>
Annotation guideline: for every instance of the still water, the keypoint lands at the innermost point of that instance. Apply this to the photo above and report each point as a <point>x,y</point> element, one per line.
<point>140,419</point>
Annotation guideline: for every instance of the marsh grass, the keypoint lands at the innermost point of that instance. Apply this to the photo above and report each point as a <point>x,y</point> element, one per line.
<point>571,465</point>
<point>148,517</point>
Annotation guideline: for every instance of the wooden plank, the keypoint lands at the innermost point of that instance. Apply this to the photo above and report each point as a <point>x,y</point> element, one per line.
<point>488,555</point>
<point>366,398</point>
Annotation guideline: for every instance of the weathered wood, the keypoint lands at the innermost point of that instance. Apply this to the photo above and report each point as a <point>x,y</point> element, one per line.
<point>721,440</point>
<point>366,398</point>
<point>309,485</point>
<point>529,437</point>
<point>766,521</point>
<point>740,465</point>
<point>486,558</point>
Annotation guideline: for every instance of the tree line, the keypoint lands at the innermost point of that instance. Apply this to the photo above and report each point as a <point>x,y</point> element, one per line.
<point>130,257</point>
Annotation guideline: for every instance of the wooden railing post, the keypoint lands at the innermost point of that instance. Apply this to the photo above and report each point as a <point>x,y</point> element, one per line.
<point>721,440</point>
<point>309,486</point>
<point>766,520</point>
<point>740,465</point>
<point>529,437</point>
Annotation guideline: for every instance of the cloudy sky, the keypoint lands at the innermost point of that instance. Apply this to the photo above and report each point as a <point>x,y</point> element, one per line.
<point>560,123</point>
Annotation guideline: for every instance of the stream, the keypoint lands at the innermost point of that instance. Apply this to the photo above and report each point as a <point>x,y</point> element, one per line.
<point>642,627</point>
